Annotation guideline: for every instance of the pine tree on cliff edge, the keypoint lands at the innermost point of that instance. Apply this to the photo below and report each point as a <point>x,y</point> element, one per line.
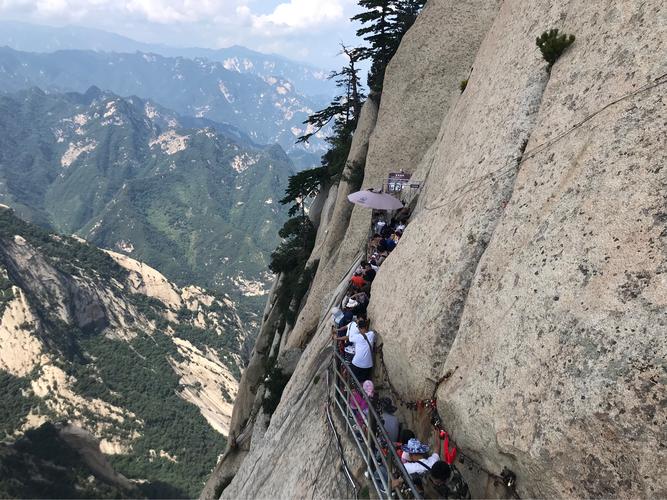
<point>384,22</point>
<point>344,109</point>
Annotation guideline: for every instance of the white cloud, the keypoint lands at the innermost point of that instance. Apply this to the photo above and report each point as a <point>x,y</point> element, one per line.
<point>302,29</point>
<point>300,14</point>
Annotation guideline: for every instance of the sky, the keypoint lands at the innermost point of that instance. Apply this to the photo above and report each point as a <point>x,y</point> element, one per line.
<point>305,30</point>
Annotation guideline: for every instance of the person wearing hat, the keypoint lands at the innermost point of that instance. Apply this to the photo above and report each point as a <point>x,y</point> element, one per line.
<point>346,318</point>
<point>418,463</point>
<point>416,466</point>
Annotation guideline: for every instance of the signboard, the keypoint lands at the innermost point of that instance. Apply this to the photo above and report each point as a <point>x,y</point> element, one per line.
<point>397,180</point>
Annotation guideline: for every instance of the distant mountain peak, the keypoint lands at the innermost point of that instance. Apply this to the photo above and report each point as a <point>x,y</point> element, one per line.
<point>308,79</point>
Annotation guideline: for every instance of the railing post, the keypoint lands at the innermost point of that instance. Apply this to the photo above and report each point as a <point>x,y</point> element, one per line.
<point>369,447</point>
<point>390,471</point>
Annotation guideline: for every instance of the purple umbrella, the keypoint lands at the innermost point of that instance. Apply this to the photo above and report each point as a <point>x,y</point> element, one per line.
<point>378,201</point>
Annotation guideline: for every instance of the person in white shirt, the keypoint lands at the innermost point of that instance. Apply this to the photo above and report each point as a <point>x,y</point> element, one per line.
<point>363,340</point>
<point>418,463</point>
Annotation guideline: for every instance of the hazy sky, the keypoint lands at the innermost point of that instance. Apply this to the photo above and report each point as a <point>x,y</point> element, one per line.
<point>308,30</point>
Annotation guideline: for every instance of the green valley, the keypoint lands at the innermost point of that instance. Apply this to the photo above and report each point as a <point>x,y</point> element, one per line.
<point>198,204</point>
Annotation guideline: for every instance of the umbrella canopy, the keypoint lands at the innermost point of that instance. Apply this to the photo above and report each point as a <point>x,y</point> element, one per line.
<point>378,201</point>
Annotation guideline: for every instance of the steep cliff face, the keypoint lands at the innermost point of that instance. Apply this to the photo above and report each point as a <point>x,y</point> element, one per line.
<point>421,81</point>
<point>535,264</point>
<point>532,271</point>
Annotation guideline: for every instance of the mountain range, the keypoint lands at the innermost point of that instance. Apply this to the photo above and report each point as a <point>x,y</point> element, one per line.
<point>308,80</point>
<point>199,204</point>
<point>268,110</point>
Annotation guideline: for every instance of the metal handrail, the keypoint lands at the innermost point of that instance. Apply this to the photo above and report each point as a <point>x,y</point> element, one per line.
<point>346,469</point>
<point>367,440</point>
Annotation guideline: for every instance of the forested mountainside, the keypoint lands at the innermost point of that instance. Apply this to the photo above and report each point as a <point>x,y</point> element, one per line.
<point>111,346</point>
<point>308,80</point>
<point>270,109</point>
<point>61,461</point>
<point>199,205</point>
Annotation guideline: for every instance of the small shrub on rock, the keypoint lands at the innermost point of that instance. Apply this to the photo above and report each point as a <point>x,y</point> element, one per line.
<point>552,44</point>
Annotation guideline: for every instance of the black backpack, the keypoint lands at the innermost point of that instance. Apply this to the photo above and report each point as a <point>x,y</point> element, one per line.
<point>454,487</point>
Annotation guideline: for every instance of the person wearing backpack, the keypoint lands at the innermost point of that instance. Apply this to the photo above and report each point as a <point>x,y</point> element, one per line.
<point>444,481</point>
<point>418,464</point>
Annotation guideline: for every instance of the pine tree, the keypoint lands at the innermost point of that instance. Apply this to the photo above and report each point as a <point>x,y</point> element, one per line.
<point>345,106</point>
<point>384,22</point>
<point>302,186</point>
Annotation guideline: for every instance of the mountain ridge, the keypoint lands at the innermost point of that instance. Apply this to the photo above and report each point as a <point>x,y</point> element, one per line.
<point>111,346</point>
<point>269,111</point>
<point>124,174</point>
<point>41,38</point>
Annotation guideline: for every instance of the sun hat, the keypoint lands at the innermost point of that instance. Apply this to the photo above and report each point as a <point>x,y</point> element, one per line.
<point>351,303</point>
<point>416,447</point>
<point>369,388</point>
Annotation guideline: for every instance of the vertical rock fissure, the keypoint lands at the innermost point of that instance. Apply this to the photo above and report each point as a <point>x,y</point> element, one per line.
<point>454,319</point>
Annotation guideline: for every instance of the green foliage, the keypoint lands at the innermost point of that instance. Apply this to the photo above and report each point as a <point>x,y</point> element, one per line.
<point>138,377</point>
<point>552,44</point>
<point>201,215</point>
<point>302,186</point>
<point>66,254</point>
<point>463,85</point>
<point>134,375</point>
<point>17,401</point>
<point>293,252</point>
<point>203,340</point>
<point>275,384</point>
<point>344,108</point>
<point>6,290</point>
<point>384,22</point>
<point>253,106</point>
<point>42,465</point>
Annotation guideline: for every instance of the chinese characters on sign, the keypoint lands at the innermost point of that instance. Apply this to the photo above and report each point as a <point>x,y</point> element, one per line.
<point>397,181</point>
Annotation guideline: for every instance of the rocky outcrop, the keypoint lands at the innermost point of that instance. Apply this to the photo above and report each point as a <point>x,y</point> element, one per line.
<point>534,264</point>
<point>528,291</point>
<point>248,400</point>
<point>295,457</point>
<point>422,81</point>
<point>110,345</point>
<point>334,251</point>
<point>20,350</point>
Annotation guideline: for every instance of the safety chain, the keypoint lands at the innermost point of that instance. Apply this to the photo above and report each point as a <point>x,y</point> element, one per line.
<point>418,404</point>
<point>449,454</point>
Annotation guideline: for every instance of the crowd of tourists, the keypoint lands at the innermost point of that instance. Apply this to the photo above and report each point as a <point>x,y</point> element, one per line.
<point>355,340</point>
